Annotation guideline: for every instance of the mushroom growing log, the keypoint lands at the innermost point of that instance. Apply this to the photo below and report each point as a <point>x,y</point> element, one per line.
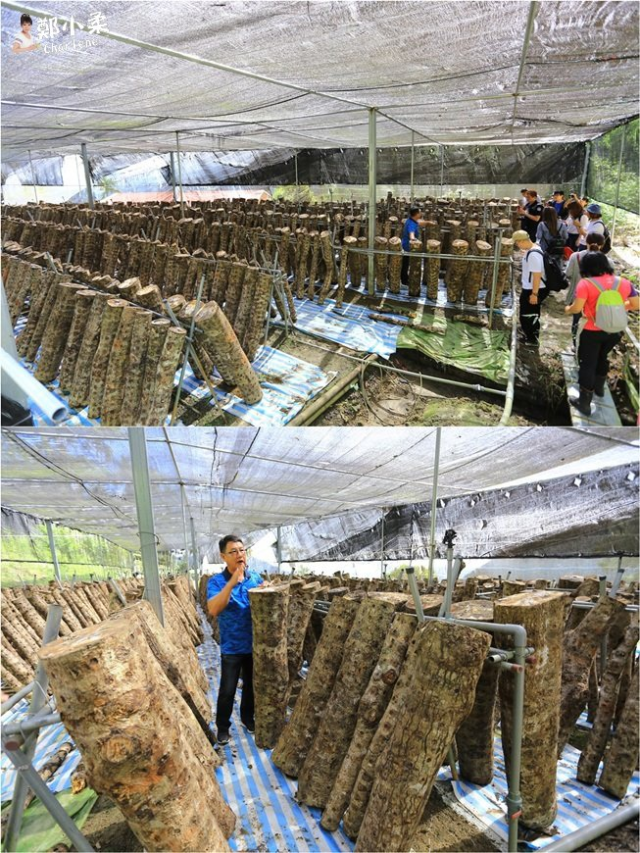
<point>298,735</point>
<point>437,696</point>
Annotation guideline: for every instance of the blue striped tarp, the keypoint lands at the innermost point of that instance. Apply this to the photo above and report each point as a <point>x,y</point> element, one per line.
<point>349,326</point>
<point>50,740</point>
<point>578,804</point>
<point>262,797</point>
<point>288,384</point>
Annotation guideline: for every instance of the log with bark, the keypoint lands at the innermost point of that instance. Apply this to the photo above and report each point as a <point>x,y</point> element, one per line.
<point>226,353</point>
<point>48,281</point>
<point>437,696</point>
<point>621,759</point>
<point>330,745</point>
<point>580,647</point>
<point>594,750</point>
<point>504,271</point>
<point>542,615</point>
<point>168,363</point>
<point>116,369</point>
<point>456,271</point>
<point>415,268</point>
<point>370,710</point>
<point>134,373</point>
<point>56,332</point>
<point>299,615</point>
<point>108,330</point>
<point>298,735</point>
<point>128,721</point>
<point>255,324</point>
<point>326,251</point>
<point>269,609</point>
<point>477,271</point>
<point>433,274</point>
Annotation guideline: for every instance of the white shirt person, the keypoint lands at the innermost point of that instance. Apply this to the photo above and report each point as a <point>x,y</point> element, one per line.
<point>23,40</point>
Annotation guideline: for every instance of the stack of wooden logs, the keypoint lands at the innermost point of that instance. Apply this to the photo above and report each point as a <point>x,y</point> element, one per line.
<point>24,611</point>
<point>135,703</point>
<point>156,244</point>
<point>365,701</point>
<point>366,704</point>
<point>112,345</point>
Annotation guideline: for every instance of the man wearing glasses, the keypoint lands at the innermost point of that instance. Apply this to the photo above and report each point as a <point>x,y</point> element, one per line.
<point>228,601</point>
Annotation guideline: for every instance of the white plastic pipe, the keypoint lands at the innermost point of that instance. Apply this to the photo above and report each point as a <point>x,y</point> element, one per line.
<point>47,402</point>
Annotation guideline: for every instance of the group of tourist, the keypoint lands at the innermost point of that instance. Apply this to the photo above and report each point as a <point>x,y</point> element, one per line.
<point>572,230</point>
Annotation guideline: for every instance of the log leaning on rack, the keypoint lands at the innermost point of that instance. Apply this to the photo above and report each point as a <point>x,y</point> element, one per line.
<point>448,661</point>
<point>223,346</point>
<point>298,735</point>
<point>542,615</point>
<point>592,753</point>
<point>370,710</point>
<point>331,743</point>
<point>255,323</point>
<point>580,647</point>
<point>55,335</point>
<point>476,273</point>
<point>269,609</point>
<point>134,372</point>
<point>299,615</point>
<point>116,369</point>
<point>621,759</point>
<point>131,732</point>
<point>167,365</point>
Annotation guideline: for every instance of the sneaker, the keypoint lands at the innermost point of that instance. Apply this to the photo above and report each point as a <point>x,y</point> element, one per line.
<point>250,727</point>
<point>223,738</point>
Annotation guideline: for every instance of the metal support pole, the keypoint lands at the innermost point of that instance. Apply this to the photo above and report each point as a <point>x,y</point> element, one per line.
<point>595,829</point>
<point>295,166</point>
<point>434,499</point>
<point>413,151</point>
<point>441,170</point>
<point>373,179</point>
<point>172,169</point>
<point>54,555</point>
<point>196,557</point>
<point>144,511</point>
<point>279,548</point>
<point>33,177</point>
<point>24,691</point>
<point>31,724</point>
<point>114,586</point>
<point>51,628</point>
<point>615,586</point>
<point>413,586</point>
<point>183,501</point>
<point>28,776</point>
<point>382,544</point>
<point>615,208</point>
<point>585,170</point>
<point>87,174</point>
<point>179,173</point>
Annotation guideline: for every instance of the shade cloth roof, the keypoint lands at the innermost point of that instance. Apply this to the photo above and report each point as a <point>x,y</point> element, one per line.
<point>250,480</point>
<point>470,73</point>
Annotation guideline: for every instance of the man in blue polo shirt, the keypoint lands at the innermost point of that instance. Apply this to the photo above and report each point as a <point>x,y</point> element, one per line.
<point>411,231</point>
<point>228,601</point>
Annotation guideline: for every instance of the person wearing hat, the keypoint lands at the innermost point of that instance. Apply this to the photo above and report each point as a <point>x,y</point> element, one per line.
<point>534,289</point>
<point>595,225</point>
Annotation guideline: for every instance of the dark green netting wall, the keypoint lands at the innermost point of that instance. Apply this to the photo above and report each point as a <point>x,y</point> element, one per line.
<point>603,167</point>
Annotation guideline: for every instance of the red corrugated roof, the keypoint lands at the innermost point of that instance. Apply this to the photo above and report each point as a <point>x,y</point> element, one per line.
<point>188,195</point>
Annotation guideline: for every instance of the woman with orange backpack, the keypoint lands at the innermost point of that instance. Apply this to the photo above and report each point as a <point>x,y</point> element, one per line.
<point>603,300</point>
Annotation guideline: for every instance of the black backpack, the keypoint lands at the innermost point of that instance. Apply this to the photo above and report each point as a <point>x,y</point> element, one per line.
<point>607,240</point>
<point>555,245</point>
<point>554,277</point>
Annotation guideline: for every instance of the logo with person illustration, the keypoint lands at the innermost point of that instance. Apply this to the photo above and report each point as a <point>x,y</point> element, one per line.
<point>49,29</point>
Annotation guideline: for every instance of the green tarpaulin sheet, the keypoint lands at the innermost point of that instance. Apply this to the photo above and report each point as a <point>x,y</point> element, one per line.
<point>39,831</point>
<point>474,349</point>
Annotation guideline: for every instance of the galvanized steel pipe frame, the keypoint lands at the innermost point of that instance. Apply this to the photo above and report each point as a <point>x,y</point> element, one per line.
<point>40,684</point>
<point>28,776</point>
<point>594,829</point>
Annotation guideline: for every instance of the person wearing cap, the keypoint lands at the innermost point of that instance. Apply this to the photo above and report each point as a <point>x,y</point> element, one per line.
<point>534,290</point>
<point>595,225</point>
<point>410,231</point>
<point>228,601</point>
<point>559,204</point>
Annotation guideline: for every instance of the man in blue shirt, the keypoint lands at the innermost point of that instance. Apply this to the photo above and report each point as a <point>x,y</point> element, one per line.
<point>228,601</point>
<point>411,231</point>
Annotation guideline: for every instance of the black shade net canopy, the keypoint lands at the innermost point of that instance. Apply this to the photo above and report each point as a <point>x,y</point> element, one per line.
<point>233,76</point>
